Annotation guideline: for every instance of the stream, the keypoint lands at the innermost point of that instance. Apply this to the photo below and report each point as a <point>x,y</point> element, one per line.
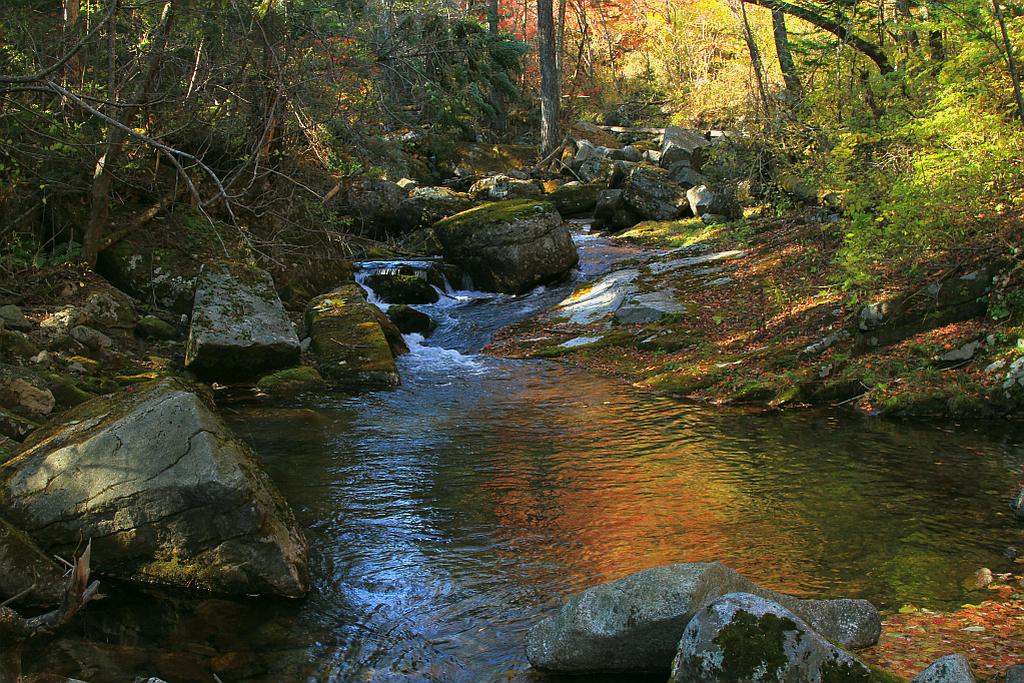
<point>448,515</point>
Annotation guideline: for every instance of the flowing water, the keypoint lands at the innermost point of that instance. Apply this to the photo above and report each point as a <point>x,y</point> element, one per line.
<point>448,515</point>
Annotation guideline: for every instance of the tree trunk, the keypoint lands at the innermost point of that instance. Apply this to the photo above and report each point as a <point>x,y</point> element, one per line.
<point>492,17</point>
<point>103,178</point>
<point>909,34</point>
<point>739,10</point>
<point>550,89</point>
<point>1011,61</point>
<point>870,50</point>
<point>786,63</point>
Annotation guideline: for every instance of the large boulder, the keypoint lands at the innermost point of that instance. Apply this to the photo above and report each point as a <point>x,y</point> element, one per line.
<point>377,206</point>
<point>613,213</point>
<point>682,144</point>
<point>164,276</point>
<point>502,187</point>
<point>653,195</point>
<point>164,490</point>
<point>634,624</point>
<point>948,669</point>
<point>575,198</point>
<point>428,205</point>
<point>239,326</point>
<point>350,344</point>
<point>744,638</point>
<point>509,246</point>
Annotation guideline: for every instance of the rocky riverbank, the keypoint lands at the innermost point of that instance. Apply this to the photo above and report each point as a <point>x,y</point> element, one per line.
<point>110,426</point>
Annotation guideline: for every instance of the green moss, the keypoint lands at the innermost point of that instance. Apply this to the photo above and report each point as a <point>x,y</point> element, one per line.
<point>494,212</point>
<point>170,569</point>
<point>683,383</point>
<point>290,379</point>
<point>666,234</point>
<point>66,392</point>
<point>754,392</point>
<point>751,643</point>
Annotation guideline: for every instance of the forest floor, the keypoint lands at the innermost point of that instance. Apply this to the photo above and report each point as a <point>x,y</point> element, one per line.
<point>772,326</point>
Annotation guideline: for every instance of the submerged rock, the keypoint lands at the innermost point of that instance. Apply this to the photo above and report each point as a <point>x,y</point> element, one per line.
<point>349,341</point>
<point>634,624</point>
<point>746,638</point>
<point>402,289</point>
<point>239,326</point>
<point>948,669</point>
<point>509,246</point>
<point>165,491</point>
<point>410,321</point>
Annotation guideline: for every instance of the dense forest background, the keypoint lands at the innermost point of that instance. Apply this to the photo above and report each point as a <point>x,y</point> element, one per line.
<point>243,119</point>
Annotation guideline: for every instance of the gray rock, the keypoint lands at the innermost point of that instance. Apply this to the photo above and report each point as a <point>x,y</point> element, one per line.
<point>428,205</point>
<point>13,318</point>
<point>500,187</point>
<point>375,205</point>
<point>239,326</point>
<point>595,300</point>
<point>1017,504</point>
<point>683,173</point>
<point>948,669</point>
<point>165,491</point>
<point>634,624</point>
<point>407,184</point>
<point>509,246</point>
<point>648,307</point>
<point>701,199</point>
<point>825,343</point>
<point>410,321</point>
<point>585,151</point>
<point>744,637</point>
<point>94,340</point>
<point>612,212</point>
<point>152,327</point>
<point>653,195</point>
<point>682,144</point>
<point>658,267</point>
<point>1015,674</point>
<point>25,392</point>
<point>965,352</point>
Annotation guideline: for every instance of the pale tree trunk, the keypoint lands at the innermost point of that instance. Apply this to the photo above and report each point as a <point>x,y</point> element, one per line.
<point>786,63</point>
<point>103,178</point>
<point>549,82</point>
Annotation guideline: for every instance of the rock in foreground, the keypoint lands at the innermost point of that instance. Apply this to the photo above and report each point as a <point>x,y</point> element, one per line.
<point>348,339</point>
<point>509,246</point>
<point>634,624</point>
<point>164,490</point>
<point>948,669</point>
<point>239,326</point>
<point>745,638</point>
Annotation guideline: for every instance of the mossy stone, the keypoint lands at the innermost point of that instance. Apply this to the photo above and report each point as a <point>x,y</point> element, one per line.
<point>290,379</point>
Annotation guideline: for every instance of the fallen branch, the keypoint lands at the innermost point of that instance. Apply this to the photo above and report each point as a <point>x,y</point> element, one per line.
<point>15,629</point>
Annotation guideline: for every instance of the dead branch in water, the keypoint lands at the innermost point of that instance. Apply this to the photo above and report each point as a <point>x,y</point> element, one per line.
<point>15,630</point>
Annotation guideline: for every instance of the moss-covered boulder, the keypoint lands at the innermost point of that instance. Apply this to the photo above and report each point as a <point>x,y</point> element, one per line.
<point>289,380</point>
<point>165,491</point>
<point>744,638</point>
<point>163,275</point>
<point>575,198</point>
<point>396,288</point>
<point>428,205</point>
<point>509,246</point>
<point>634,624</point>
<point>502,187</point>
<point>351,346</point>
<point>152,327</point>
<point>239,327</point>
